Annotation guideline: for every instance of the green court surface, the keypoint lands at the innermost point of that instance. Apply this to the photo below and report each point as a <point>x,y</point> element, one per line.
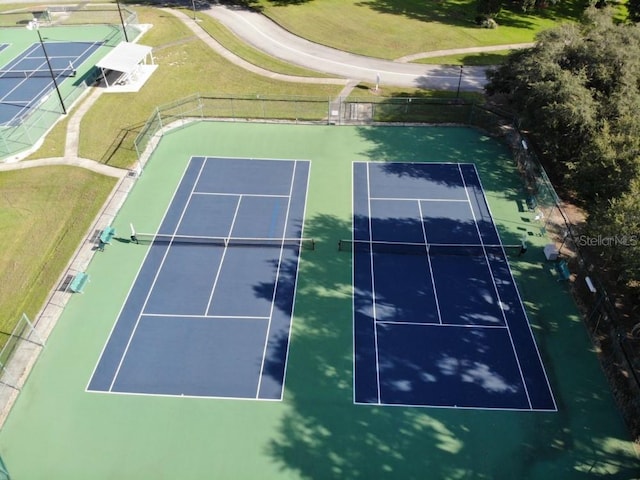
<point>58,431</point>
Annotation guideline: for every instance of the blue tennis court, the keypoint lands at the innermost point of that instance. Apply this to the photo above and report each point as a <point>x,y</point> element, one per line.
<point>209,314</point>
<point>26,81</point>
<point>438,319</point>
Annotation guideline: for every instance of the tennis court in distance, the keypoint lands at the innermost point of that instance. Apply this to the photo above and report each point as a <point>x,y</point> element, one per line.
<point>209,314</point>
<point>26,81</point>
<point>438,319</point>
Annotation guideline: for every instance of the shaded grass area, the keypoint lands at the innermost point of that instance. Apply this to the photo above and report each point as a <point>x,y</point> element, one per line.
<point>186,66</point>
<point>395,28</point>
<point>479,59</point>
<point>44,215</point>
<point>388,93</point>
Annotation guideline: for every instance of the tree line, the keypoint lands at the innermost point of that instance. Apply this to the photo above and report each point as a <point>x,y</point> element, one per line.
<point>577,92</point>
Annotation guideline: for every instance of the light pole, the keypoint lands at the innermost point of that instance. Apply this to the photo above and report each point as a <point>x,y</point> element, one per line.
<point>459,82</point>
<point>124,29</point>
<point>33,25</point>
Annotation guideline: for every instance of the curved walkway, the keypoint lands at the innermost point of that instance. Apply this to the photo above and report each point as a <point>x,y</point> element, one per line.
<point>462,51</point>
<point>233,58</point>
<point>265,35</point>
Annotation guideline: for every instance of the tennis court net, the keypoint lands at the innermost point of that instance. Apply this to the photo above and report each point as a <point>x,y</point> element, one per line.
<point>301,243</point>
<point>408,248</point>
<point>68,72</point>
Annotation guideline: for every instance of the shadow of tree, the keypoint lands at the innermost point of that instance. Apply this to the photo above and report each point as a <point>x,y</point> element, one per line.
<point>462,13</point>
<point>459,13</point>
<point>323,434</point>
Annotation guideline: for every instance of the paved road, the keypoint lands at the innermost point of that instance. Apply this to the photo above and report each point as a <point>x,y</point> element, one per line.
<point>260,32</point>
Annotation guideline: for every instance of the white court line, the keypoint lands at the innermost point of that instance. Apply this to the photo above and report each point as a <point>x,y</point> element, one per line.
<point>215,194</point>
<point>513,281</point>
<point>450,407</point>
<point>175,395</point>
<point>224,254</point>
<point>155,278</point>
<point>275,285</point>
<point>413,199</point>
<point>430,324</point>
<point>495,286</point>
<point>205,317</point>
<point>373,288</point>
<point>353,282</point>
<point>35,99</point>
<point>433,280</point>
<point>295,287</point>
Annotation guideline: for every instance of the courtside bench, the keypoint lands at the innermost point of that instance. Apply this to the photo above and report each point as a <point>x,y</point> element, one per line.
<point>78,283</point>
<point>105,237</point>
<point>562,269</point>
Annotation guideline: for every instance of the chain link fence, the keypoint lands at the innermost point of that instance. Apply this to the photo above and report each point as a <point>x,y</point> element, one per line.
<point>299,109</point>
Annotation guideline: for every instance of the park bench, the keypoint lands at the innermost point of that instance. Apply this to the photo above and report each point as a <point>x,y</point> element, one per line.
<point>105,237</point>
<point>562,268</point>
<point>78,283</point>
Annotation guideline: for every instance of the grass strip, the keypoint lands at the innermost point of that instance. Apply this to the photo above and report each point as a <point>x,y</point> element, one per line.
<point>44,216</point>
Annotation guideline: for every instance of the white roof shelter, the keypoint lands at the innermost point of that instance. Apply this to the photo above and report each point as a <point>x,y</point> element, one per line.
<point>131,61</point>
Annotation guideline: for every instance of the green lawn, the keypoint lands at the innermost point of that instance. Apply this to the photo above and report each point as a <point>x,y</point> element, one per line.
<point>395,28</point>
<point>44,215</point>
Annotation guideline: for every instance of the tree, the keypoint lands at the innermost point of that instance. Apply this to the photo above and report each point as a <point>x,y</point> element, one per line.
<point>487,9</point>
<point>616,226</point>
<point>633,9</point>
<point>578,92</point>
